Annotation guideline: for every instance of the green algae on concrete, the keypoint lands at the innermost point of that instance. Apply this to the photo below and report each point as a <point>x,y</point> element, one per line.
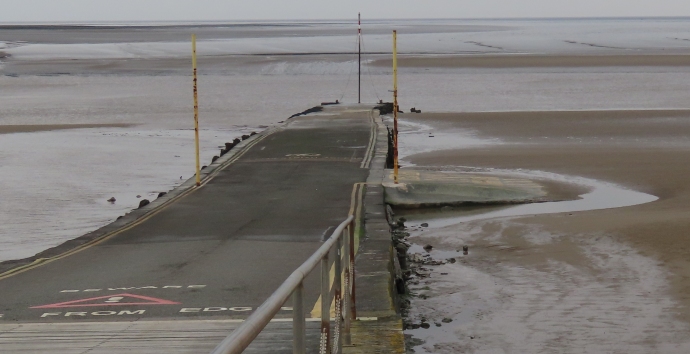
<point>384,336</point>
<point>416,188</point>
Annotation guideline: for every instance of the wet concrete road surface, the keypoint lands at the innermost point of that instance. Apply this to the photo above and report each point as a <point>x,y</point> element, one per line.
<point>217,253</point>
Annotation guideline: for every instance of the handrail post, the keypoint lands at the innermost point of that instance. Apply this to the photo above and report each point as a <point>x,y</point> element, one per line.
<point>338,299</point>
<point>353,289</point>
<point>324,347</point>
<point>347,338</point>
<point>298,321</point>
<point>237,341</point>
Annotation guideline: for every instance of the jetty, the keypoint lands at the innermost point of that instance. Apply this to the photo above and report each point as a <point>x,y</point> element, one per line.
<point>182,273</point>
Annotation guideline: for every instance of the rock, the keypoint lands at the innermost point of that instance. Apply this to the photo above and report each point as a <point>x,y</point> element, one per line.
<point>229,146</point>
<point>424,225</point>
<point>119,217</point>
<point>214,158</point>
<point>428,248</point>
<point>401,248</point>
<point>437,324</point>
<point>204,166</point>
<point>425,325</point>
<point>451,260</point>
<point>144,202</point>
<point>245,137</point>
<point>112,200</point>
<point>162,194</point>
<point>389,213</point>
<point>465,250</point>
<point>417,258</point>
<point>138,196</point>
<point>252,133</point>
<point>447,320</point>
<point>223,152</point>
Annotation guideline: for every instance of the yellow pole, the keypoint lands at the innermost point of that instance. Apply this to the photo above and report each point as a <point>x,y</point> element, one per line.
<point>395,107</point>
<point>196,113</point>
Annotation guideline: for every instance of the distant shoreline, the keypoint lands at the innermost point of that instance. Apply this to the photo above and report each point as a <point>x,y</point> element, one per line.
<point>10,129</point>
<point>500,60</point>
<point>284,22</point>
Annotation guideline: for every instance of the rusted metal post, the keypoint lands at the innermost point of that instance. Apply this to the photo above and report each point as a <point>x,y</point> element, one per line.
<point>359,58</point>
<point>353,271</point>
<point>395,106</point>
<point>196,112</point>
<point>298,321</point>
<point>324,345</point>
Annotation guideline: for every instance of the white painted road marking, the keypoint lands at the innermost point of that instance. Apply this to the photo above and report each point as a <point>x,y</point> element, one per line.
<point>135,288</point>
<point>303,155</point>
<point>215,309</point>
<point>95,313</point>
<point>109,300</point>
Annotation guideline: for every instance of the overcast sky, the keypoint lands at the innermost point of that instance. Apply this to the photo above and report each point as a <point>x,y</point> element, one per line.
<point>219,10</point>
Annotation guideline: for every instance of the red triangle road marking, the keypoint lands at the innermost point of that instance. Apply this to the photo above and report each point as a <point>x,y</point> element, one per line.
<point>110,300</point>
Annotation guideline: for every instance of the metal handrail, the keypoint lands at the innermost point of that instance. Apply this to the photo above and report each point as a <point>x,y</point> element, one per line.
<point>243,336</point>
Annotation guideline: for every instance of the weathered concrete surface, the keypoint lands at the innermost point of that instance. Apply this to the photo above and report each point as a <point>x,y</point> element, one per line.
<point>376,294</point>
<point>143,337</point>
<point>209,253</point>
<point>417,188</point>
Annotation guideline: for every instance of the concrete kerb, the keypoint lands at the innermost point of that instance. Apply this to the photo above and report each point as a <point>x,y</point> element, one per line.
<point>376,292</point>
<point>136,216</point>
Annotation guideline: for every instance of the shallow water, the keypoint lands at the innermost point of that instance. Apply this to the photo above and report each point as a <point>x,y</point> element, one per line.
<point>601,195</point>
<point>51,192</point>
<point>478,298</point>
<point>55,185</point>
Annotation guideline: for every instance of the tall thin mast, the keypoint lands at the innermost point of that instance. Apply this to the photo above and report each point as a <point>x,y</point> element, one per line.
<point>359,58</point>
<point>395,106</point>
<point>196,112</point>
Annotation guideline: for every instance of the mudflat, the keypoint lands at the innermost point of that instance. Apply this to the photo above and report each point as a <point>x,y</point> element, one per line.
<point>538,61</point>
<point>7,129</point>
<point>614,278</point>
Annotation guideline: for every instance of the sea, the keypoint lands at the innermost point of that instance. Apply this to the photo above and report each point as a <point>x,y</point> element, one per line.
<point>54,185</point>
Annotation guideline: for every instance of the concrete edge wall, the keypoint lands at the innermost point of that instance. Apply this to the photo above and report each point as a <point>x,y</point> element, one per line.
<point>376,294</point>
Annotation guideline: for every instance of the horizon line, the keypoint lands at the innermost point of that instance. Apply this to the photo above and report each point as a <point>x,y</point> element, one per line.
<point>339,20</point>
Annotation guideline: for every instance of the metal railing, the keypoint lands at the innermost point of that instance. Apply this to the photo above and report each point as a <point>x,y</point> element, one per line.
<point>331,342</point>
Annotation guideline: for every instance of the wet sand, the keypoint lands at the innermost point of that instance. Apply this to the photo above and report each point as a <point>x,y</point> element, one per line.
<point>606,280</point>
<point>537,61</point>
<point>8,129</point>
